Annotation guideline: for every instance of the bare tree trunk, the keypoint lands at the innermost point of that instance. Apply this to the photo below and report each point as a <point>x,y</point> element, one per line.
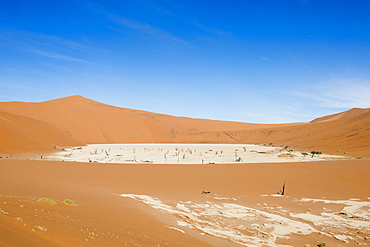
<point>283,190</point>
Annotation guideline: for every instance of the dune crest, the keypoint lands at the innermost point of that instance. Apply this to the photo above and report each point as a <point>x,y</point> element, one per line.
<point>354,112</point>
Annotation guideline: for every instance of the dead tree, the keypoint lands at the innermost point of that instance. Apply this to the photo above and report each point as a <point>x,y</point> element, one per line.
<point>282,192</point>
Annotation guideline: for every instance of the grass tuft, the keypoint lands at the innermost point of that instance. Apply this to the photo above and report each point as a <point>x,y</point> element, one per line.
<point>48,200</point>
<point>69,202</point>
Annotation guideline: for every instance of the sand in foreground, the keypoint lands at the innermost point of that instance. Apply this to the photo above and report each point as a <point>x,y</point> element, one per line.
<point>103,218</point>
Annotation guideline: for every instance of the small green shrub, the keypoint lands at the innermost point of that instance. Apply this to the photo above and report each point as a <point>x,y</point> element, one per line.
<point>315,153</point>
<point>69,202</point>
<point>48,200</point>
<point>321,244</point>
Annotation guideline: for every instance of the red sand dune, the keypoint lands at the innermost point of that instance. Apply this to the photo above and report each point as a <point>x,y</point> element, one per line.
<point>347,114</point>
<point>343,136</point>
<point>19,134</point>
<point>92,122</point>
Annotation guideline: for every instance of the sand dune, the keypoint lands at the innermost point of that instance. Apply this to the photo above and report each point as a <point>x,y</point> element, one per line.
<point>23,134</point>
<point>347,114</point>
<point>92,122</point>
<point>347,136</point>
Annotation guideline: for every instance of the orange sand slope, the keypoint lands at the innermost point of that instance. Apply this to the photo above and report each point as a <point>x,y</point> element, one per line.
<point>94,122</point>
<point>89,121</point>
<point>19,133</point>
<point>349,136</point>
<point>347,114</point>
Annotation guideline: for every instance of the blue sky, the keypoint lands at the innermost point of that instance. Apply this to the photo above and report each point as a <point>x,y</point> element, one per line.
<point>267,61</point>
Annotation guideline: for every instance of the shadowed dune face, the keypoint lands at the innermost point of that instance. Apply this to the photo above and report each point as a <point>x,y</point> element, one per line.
<point>19,134</point>
<point>80,120</point>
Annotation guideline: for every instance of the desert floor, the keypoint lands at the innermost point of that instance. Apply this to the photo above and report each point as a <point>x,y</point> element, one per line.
<point>163,204</point>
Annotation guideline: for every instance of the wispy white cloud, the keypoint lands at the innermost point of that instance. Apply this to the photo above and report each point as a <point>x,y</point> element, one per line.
<point>274,112</point>
<point>340,93</point>
<point>266,117</point>
<point>146,28</point>
<point>52,41</point>
<point>41,44</point>
<point>16,36</point>
<point>54,55</point>
<point>213,31</point>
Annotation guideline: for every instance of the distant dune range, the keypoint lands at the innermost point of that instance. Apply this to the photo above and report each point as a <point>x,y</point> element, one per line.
<point>74,121</point>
